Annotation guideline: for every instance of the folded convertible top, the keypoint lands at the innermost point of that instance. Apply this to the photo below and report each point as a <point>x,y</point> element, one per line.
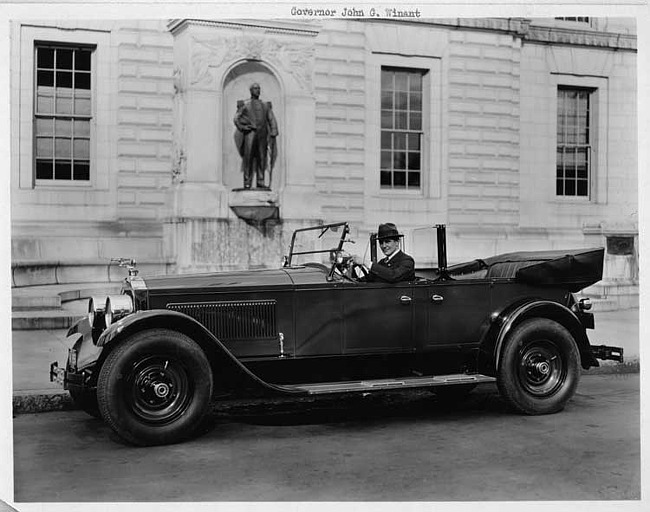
<point>574,269</point>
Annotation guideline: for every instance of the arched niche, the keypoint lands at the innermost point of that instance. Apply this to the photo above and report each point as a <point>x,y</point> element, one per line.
<point>236,86</point>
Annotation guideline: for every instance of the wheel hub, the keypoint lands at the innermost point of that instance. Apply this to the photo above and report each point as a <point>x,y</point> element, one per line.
<point>161,389</point>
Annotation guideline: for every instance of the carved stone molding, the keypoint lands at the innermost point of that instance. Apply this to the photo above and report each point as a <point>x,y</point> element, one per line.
<point>295,59</point>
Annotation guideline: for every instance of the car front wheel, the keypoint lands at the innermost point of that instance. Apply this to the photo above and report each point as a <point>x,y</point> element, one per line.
<point>155,387</point>
<point>539,368</point>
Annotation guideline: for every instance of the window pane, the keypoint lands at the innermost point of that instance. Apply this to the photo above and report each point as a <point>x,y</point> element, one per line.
<point>64,79</point>
<point>401,100</point>
<point>386,179</point>
<point>44,147</point>
<point>559,187</point>
<point>399,160</point>
<point>64,127</point>
<point>414,161</point>
<point>82,62</point>
<point>386,159</point>
<point>82,80</point>
<point>45,58</point>
<point>63,58</point>
<point>44,102</point>
<point>386,118</point>
<point>44,126</point>
<point>399,140</point>
<point>63,148</point>
<point>81,149</point>
<point>82,106</point>
<point>45,78</point>
<point>416,121</point>
<point>416,82</point>
<point>414,141</point>
<point>387,100</point>
<point>63,105</point>
<point>44,170</point>
<point>401,82</point>
<point>570,188</point>
<point>82,171</point>
<point>583,188</point>
<point>414,180</point>
<point>415,101</point>
<point>63,170</point>
<point>399,180</point>
<point>400,120</point>
<point>386,140</point>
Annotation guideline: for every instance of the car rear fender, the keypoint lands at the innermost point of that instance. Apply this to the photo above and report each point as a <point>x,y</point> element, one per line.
<point>229,373</point>
<point>507,320</point>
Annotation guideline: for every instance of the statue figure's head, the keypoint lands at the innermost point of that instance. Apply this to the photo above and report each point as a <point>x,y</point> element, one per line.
<point>255,90</point>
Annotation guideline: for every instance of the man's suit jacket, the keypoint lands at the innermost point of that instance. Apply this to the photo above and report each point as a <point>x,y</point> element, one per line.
<point>400,267</point>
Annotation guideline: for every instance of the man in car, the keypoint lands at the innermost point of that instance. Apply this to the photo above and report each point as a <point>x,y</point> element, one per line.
<point>396,266</point>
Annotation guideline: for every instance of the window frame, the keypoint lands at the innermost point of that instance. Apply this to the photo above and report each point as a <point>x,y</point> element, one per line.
<point>55,117</point>
<point>431,146</point>
<point>599,91</point>
<point>588,145</point>
<point>408,131</point>
<point>102,143</point>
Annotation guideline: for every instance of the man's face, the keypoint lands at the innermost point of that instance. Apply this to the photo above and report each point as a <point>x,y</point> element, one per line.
<point>255,91</point>
<point>388,246</point>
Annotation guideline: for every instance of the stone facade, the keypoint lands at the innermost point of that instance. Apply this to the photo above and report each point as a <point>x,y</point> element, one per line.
<point>166,171</point>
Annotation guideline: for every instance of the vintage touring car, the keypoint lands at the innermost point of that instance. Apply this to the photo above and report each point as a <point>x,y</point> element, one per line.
<point>150,360</point>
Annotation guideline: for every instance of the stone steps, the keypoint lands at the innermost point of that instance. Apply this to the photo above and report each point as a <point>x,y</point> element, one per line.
<point>612,295</point>
<point>54,306</point>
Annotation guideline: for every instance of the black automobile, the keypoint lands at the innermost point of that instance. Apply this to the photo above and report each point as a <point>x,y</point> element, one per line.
<point>150,360</point>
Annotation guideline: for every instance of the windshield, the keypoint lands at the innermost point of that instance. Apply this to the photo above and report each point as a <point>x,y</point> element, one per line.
<point>317,244</point>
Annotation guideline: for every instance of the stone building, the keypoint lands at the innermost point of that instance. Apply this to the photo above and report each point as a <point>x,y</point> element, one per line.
<point>519,134</point>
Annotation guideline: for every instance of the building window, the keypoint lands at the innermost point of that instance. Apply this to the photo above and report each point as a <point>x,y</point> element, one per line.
<point>401,128</point>
<point>578,19</point>
<point>62,113</point>
<point>574,142</point>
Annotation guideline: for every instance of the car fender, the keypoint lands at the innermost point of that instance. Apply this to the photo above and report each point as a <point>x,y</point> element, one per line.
<point>231,375</point>
<point>507,320</point>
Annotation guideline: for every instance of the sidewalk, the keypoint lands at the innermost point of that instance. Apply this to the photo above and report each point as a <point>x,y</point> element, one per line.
<point>34,350</point>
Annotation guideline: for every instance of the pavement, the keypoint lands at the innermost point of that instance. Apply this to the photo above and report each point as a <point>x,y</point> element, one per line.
<point>34,350</point>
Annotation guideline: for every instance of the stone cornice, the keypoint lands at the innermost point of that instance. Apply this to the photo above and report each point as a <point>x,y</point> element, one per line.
<point>528,31</point>
<point>307,29</point>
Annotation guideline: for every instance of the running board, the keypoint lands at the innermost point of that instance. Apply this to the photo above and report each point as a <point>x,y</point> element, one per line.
<point>381,384</point>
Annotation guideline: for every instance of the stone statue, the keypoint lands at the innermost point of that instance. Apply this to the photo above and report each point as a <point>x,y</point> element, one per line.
<point>255,138</point>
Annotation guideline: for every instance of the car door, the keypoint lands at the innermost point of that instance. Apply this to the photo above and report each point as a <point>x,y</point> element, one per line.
<point>377,317</point>
<point>456,312</point>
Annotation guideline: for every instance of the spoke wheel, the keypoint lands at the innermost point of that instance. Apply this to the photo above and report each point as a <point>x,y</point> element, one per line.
<point>539,368</point>
<point>155,387</point>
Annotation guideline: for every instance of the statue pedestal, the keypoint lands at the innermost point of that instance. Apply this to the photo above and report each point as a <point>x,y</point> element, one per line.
<point>254,205</point>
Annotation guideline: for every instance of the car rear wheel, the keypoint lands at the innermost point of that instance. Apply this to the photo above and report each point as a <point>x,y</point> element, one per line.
<point>539,368</point>
<point>155,387</point>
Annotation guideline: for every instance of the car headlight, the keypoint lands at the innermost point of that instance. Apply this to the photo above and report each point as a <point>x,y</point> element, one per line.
<point>96,308</point>
<point>117,306</point>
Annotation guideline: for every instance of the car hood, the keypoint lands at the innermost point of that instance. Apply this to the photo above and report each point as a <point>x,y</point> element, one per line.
<point>235,279</point>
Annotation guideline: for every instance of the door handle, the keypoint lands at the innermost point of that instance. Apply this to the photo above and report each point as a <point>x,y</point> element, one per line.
<point>405,299</point>
<point>437,298</point>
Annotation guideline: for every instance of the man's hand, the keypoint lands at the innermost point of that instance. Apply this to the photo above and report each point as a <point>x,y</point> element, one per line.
<point>357,260</point>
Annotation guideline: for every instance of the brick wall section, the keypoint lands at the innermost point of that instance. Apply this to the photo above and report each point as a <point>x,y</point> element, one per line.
<point>483,129</point>
<point>339,78</point>
<point>144,119</point>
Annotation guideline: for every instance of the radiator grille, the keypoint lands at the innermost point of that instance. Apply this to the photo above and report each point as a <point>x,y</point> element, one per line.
<point>233,320</point>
